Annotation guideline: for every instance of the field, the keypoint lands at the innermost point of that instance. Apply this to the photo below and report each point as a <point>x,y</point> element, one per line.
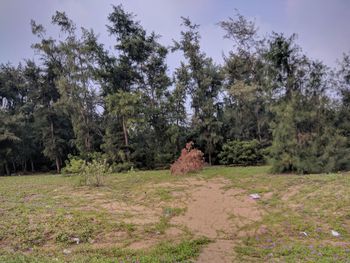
<point>155,217</point>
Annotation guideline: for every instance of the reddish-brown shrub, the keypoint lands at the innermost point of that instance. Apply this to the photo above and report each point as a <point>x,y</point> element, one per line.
<point>190,160</point>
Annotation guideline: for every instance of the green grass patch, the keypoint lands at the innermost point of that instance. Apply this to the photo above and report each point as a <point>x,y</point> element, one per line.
<point>44,214</point>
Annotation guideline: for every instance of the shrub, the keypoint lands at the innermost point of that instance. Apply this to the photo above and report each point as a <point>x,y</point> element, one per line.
<point>190,160</point>
<point>74,165</point>
<point>241,153</point>
<point>94,172</point>
<point>122,167</point>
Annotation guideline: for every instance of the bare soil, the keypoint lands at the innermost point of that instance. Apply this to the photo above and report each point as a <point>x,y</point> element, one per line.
<point>290,192</point>
<point>211,210</point>
<point>218,214</point>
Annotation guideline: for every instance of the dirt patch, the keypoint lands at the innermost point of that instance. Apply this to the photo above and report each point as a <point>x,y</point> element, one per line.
<point>173,232</point>
<point>221,214</point>
<point>134,214</point>
<point>254,231</point>
<point>268,195</point>
<point>290,192</point>
<point>219,251</point>
<point>218,214</point>
<point>143,244</point>
<point>31,197</point>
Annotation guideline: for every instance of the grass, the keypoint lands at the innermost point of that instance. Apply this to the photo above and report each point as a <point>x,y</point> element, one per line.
<point>43,215</point>
<point>163,252</point>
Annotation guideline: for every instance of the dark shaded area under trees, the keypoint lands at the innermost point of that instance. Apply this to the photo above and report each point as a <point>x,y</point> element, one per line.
<point>267,101</point>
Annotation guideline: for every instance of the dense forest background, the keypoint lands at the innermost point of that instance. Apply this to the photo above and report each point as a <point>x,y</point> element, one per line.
<point>268,102</point>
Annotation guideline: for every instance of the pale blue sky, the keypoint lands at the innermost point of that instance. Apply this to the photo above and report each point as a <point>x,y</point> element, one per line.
<point>322,25</point>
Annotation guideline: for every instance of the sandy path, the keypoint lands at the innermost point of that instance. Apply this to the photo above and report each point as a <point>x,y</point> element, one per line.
<point>218,215</point>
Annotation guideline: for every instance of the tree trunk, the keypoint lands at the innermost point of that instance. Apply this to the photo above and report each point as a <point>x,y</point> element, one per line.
<point>14,166</point>
<point>125,131</point>
<point>7,169</point>
<point>58,165</point>
<point>209,158</point>
<point>32,165</point>
<point>259,132</point>
<point>258,123</point>
<point>24,166</point>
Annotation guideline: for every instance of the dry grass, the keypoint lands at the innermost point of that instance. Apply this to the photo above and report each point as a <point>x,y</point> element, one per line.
<point>147,217</point>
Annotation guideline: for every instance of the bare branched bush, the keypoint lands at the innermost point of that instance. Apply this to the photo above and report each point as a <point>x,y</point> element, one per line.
<point>190,160</point>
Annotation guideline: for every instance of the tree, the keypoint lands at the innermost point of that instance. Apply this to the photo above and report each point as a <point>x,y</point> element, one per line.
<point>55,125</point>
<point>139,70</point>
<point>204,84</point>
<point>176,108</point>
<point>305,136</point>
<point>76,83</point>
<point>85,100</point>
<point>124,104</point>
<point>8,141</point>
<point>246,112</point>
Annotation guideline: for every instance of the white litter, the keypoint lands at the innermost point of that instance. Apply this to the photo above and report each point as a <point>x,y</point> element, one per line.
<point>76,240</point>
<point>335,233</point>
<point>304,233</point>
<point>255,196</point>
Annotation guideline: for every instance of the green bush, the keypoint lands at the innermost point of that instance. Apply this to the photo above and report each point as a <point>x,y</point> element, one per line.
<point>93,173</point>
<point>122,167</point>
<point>241,153</point>
<point>74,165</point>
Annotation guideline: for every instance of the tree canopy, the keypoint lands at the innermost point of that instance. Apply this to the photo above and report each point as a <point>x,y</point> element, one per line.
<point>267,102</point>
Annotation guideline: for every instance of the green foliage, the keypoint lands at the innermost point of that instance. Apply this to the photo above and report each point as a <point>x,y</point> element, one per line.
<point>266,89</point>
<point>241,153</point>
<point>93,173</point>
<point>203,79</point>
<point>121,167</point>
<point>306,141</point>
<point>74,165</point>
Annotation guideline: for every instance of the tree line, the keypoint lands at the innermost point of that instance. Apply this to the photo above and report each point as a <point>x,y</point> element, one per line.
<point>267,102</point>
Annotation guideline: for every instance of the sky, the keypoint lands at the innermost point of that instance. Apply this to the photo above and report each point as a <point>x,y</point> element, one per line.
<point>322,26</point>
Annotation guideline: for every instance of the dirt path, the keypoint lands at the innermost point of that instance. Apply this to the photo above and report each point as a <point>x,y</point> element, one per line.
<point>219,215</point>
<point>222,215</point>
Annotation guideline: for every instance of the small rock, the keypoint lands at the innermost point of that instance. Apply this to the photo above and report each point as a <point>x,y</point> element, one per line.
<point>67,251</point>
<point>255,196</point>
<point>76,240</point>
<point>335,233</point>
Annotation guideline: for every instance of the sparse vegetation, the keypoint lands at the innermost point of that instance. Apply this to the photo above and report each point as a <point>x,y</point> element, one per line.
<point>94,173</point>
<point>43,215</point>
<point>74,165</point>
